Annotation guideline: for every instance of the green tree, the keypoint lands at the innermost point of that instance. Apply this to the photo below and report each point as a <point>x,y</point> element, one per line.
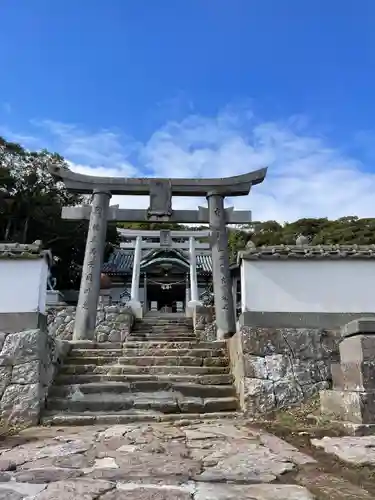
<point>30,209</point>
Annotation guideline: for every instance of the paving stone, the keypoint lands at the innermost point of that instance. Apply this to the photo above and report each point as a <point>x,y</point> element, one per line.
<point>4,477</point>
<point>82,489</point>
<point>283,449</point>
<point>247,462</point>
<point>24,489</point>
<point>116,431</point>
<point>10,495</point>
<point>220,430</point>
<point>192,434</point>
<point>71,462</point>
<point>251,492</point>
<point>125,491</point>
<point>46,475</point>
<point>102,463</point>
<point>50,449</point>
<point>148,464</point>
<point>332,487</point>
<point>357,450</point>
<point>167,432</point>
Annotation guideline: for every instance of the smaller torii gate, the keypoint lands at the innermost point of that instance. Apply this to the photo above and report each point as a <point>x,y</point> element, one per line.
<point>160,210</point>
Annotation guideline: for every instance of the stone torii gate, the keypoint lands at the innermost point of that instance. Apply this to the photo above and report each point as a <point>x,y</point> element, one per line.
<point>160,210</point>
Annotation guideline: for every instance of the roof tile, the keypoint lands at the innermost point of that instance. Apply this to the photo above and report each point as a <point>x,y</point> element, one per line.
<point>121,262</point>
<point>332,252</point>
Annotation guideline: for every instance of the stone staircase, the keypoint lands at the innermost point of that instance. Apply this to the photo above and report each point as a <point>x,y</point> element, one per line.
<point>161,372</point>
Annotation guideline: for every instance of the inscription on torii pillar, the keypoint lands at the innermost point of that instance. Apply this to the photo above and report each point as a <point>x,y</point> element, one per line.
<point>160,210</point>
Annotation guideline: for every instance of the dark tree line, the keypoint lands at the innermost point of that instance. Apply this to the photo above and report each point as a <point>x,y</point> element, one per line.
<point>30,209</point>
<point>321,231</point>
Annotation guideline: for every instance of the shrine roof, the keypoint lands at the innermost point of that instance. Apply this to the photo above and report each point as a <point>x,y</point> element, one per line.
<point>308,252</point>
<point>121,261</point>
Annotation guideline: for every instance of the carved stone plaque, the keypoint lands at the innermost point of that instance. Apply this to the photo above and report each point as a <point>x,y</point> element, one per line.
<point>165,238</point>
<point>160,198</point>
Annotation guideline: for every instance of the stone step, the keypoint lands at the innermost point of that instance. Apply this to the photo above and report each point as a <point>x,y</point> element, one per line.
<point>139,378</point>
<point>152,370</point>
<point>167,335</point>
<point>162,333</point>
<point>160,338</point>
<point>163,326</point>
<point>167,328</point>
<point>131,344</point>
<point>102,418</point>
<point>160,329</point>
<point>163,402</point>
<point>186,389</point>
<point>148,361</point>
<point>147,351</point>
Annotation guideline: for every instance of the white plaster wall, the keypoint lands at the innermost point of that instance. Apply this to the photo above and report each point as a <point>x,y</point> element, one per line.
<point>308,286</point>
<point>43,286</point>
<point>23,285</point>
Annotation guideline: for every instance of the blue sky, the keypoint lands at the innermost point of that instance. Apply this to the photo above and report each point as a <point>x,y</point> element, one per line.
<point>199,87</point>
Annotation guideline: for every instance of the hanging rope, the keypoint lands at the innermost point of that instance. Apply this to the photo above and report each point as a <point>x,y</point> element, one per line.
<point>166,286</point>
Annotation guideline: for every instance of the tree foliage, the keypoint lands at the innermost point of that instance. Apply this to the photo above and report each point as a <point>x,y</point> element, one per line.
<point>320,231</point>
<point>30,209</point>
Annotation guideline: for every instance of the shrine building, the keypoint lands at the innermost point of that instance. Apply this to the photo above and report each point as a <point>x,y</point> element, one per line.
<point>175,270</point>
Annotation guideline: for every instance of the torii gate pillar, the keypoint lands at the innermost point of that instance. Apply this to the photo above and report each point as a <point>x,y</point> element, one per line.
<point>224,305</point>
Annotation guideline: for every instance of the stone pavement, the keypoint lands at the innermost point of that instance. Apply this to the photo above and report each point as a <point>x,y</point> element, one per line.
<point>184,460</point>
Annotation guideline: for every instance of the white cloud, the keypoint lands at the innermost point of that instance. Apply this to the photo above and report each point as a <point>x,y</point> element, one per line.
<point>306,177</point>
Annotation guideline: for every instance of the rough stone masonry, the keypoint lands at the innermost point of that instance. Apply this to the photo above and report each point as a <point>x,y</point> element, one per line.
<point>28,361</point>
<point>113,323</point>
<point>281,367</point>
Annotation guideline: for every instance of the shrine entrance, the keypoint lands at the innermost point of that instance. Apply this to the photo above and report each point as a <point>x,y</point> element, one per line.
<point>166,296</point>
<point>160,210</point>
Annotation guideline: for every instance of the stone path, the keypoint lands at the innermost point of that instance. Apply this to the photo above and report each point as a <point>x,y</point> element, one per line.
<point>216,460</point>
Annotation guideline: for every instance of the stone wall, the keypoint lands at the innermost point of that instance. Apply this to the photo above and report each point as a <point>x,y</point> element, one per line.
<point>284,366</point>
<point>113,323</point>
<point>28,361</point>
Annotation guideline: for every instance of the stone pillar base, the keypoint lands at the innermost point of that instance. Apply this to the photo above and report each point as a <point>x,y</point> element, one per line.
<point>136,308</point>
<point>54,297</point>
<point>346,408</point>
<point>224,334</point>
<point>349,406</point>
<point>191,306</point>
<point>351,402</point>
